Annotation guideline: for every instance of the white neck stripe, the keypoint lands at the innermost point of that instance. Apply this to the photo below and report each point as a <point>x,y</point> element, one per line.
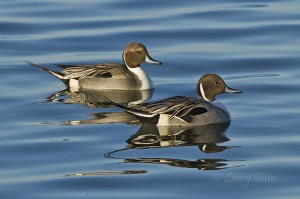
<point>202,92</point>
<point>125,60</point>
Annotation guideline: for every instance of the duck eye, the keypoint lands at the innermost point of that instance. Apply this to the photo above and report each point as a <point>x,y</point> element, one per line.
<point>139,52</point>
<point>216,83</point>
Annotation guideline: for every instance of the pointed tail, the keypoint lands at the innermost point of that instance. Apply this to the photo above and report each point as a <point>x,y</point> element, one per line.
<point>142,116</point>
<point>54,73</point>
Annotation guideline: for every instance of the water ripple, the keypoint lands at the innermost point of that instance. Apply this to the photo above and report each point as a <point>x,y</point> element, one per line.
<point>46,146</point>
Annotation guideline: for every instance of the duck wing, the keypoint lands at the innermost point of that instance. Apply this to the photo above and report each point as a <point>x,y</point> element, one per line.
<point>178,106</point>
<point>95,70</point>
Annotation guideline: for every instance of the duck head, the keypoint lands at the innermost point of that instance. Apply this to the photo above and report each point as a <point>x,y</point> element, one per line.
<point>210,85</point>
<point>135,54</point>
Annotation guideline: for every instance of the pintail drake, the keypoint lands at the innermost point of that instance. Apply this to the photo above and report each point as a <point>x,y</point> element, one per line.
<point>186,111</point>
<point>109,76</point>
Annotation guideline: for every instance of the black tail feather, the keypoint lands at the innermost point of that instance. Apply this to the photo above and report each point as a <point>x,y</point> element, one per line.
<point>56,74</point>
<point>38,66</point>
<point>142,116</point>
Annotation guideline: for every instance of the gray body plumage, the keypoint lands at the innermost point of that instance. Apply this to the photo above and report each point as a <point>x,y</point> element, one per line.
<point>108,76</point>
<point>104,76</point>
<point>179,111</point>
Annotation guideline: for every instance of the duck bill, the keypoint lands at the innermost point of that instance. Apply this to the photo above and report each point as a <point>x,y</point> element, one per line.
<point>152,61</point>
<point>231,90</point>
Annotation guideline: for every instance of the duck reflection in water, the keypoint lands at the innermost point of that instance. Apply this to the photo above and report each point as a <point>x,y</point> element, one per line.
<point>93,98</point>
<point>152,136</point>
<point>206,138</point>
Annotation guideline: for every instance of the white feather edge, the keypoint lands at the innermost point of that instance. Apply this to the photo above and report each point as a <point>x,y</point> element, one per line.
<point>140,114</point>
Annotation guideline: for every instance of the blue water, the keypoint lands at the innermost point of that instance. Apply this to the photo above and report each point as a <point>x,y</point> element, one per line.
<point>52,144</point>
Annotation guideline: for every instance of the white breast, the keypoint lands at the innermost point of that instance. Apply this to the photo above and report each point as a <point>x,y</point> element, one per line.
<point>146,81</point>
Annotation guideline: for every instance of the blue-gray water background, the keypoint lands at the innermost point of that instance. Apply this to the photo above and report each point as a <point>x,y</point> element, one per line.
<point>253,44</point>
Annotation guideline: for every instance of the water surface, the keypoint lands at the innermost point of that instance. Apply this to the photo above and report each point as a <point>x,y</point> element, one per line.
<point>56,144</point>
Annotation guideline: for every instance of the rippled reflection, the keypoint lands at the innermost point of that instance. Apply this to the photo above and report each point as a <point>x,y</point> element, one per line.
<point>201,164</point>
<point>101,173</point>
<point>96,98</point>
<point>206,138</point>
<point>105,118</point>
<point>152,136</point>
